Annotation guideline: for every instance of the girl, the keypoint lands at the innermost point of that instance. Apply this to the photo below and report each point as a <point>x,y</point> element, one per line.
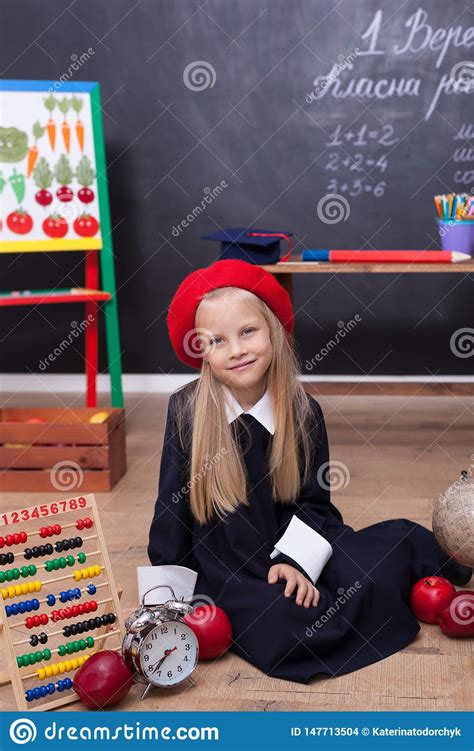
<point>244,497</point>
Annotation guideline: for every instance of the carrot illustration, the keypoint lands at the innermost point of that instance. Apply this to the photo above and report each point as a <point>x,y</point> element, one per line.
<point>38,131</point>
<point>76,104</point>
<point>50,104</point>
<point>64,106</point>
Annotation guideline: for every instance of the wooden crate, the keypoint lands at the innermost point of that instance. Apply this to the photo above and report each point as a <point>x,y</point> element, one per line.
<point>64,452</point>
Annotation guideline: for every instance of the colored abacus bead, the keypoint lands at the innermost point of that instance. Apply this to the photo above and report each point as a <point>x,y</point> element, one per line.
<point>33,640</point>
<point>43,637</point>
<point>51,600</point>
<point>80,524</point>
<point>88,522</point>
<point>91,589</point>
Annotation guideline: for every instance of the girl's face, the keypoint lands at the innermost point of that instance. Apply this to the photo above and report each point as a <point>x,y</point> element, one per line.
<point>232,336</point>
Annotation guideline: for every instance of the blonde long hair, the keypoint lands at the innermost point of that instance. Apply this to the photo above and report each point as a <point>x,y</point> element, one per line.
<point>217,471</point>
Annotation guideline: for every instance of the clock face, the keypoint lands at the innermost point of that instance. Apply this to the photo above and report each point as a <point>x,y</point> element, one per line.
<point>168,653</point>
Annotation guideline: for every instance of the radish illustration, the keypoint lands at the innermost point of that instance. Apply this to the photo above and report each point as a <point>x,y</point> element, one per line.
<point>85,176</point>
<point>43,178</point>
<point>64,174</point>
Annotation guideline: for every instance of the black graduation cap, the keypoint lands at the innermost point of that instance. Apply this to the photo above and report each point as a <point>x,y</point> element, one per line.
<point>252,245</point>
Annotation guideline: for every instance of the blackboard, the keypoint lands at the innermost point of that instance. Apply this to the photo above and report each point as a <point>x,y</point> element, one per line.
<point>234,113</point>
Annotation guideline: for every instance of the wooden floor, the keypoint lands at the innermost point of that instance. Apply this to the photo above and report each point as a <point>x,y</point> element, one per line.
<point>401,451</point>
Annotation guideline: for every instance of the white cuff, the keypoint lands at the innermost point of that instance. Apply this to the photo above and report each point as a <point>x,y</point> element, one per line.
<point>306,546</point>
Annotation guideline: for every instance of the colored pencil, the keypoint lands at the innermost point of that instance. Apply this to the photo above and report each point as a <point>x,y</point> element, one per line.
<point>383,256</point>
<point>454,206</point>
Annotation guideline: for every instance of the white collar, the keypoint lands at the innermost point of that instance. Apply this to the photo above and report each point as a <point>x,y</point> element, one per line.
<point>262,410</point>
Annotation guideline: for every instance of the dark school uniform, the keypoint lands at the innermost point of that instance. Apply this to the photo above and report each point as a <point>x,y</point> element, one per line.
<point>363,614</point>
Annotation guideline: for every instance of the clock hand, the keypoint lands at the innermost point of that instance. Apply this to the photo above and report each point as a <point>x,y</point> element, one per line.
<point>154,668</point>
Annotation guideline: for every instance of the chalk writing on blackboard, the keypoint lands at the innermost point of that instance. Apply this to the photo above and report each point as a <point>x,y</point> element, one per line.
<point>421,37</point>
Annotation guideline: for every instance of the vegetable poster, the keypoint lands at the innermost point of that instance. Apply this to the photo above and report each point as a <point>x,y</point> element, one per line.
<point>48,171</point>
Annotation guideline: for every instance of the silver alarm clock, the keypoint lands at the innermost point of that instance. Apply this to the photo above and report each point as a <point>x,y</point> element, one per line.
<point>159,647</point>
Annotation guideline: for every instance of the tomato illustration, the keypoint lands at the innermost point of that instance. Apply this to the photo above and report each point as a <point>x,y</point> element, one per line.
<point>86,225</point>
<point>19,221</point>
<point>55,226</point>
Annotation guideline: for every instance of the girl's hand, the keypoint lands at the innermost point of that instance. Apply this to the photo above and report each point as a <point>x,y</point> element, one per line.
<point>305,589</point>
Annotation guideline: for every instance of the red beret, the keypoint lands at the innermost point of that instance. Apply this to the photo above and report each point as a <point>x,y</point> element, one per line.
<point>231,273</point>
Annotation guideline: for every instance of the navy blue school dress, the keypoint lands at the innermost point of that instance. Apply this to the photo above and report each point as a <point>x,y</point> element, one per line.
<point>363,613</point>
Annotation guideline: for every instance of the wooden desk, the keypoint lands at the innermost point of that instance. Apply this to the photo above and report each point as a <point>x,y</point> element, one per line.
<point>285,273</point>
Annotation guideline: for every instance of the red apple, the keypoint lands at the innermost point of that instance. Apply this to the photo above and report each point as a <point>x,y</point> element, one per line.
<point>429,596</point>
<point>213,630</point>
<point>457,618</point>
<point>104,680</point>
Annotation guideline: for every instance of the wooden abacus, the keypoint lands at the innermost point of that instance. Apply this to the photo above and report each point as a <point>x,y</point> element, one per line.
<point>81,560</point>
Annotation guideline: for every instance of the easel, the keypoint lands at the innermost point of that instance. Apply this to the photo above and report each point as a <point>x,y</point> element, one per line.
<point>91,295</point>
